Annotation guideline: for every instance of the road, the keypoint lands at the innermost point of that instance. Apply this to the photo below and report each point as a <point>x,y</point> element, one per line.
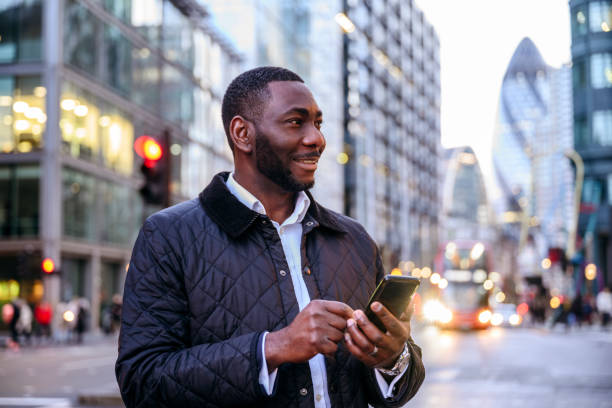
<point>501,368</point>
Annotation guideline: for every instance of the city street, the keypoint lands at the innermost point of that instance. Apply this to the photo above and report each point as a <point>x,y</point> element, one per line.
<point>494,368</point>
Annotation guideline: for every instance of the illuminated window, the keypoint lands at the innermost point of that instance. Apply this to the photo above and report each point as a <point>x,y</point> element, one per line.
<point>93,130</point>
<point>601,70</point>
<point>600,16</point>
<point>602,127</point>
<point>22,113</point>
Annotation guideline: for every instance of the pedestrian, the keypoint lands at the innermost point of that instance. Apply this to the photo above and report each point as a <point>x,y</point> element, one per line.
<point>252,294</point>
<point>24,323</point>
<point>81,319</point>
<point>604,306</point>
<point>43,314</point>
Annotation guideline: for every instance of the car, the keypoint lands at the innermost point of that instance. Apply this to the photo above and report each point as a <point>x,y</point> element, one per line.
<point>505,314</point>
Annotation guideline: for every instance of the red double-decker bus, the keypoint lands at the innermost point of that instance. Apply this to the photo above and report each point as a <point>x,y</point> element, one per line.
<point>463,299</point>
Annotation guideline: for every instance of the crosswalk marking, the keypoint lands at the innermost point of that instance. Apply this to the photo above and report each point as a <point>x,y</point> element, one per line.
<point>34,402</point>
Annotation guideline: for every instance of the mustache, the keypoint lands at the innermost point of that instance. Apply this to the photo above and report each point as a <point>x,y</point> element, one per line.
<point>312,155</point>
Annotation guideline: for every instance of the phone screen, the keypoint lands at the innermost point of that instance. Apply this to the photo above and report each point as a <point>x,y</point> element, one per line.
<point>395,292</point>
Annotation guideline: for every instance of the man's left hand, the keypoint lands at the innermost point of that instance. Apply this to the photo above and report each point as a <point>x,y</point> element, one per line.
<point>370,345</point>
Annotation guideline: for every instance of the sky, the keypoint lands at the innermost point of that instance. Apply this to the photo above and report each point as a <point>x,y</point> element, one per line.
<point>477,40</point>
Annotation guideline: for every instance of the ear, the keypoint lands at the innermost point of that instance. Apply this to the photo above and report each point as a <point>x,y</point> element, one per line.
<point>242,134</point>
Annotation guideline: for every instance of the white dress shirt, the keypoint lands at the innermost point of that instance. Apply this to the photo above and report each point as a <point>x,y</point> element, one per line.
<point>290,233</point>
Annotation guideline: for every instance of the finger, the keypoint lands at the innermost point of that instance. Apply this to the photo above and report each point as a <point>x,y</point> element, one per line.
<point>374,335</point>
<point>335,321</point>
<point>357,352</point>
<point>408,312</point>
<point>338,308</point>
<point>358,338</point>
<point>393,324</point>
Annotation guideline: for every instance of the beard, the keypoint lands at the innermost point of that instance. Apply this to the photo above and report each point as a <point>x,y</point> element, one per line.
<point>271,166</point>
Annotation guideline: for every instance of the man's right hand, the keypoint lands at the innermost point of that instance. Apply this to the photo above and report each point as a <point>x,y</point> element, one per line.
<point>316,329</point>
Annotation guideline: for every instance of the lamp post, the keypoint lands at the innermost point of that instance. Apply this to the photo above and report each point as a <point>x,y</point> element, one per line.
<point>571,239</point>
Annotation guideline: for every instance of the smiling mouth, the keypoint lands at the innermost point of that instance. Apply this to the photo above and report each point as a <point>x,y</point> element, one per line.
<point>307,163</point>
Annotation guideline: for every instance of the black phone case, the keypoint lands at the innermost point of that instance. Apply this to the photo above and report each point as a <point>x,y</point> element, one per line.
<point>395,293</point>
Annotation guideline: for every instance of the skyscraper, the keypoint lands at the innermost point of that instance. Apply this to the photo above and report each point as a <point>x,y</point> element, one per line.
<point>591,23</point>
<point>392,127</point>
<point>531,138</point>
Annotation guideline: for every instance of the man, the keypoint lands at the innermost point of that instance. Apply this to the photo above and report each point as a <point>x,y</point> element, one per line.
<point>252,294</point>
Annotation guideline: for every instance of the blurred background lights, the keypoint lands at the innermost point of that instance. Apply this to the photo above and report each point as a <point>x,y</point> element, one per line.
<point>488,285</point>
<point>396,272</point>
<point>416,272</point>
<point>435,278</point>
<point>176,149</point>
<point>345,23</point>
<point>67,104</point>
<point>500,297</point>
<point>40,91</point>
<point>20,106</point>
<point>590,272</point>
<point>443,283</point>
<point>546,263</point>
<point>81,110</point>
<point>555,302</point>
<point>342,158</point>
<point>426,272</point>
<point>104,121</point>
<point>477,250</point>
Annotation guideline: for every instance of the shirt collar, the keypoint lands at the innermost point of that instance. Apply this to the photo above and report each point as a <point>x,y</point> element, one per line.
<point>243,195</point>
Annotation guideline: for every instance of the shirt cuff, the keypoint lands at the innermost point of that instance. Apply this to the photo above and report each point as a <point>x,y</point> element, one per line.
<point>385,388</point>
<point>266,380</point>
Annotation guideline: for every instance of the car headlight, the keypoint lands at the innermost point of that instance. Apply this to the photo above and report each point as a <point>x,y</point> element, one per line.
<point>497,319</point>
<point>515,320</point>
<point>484,316</point>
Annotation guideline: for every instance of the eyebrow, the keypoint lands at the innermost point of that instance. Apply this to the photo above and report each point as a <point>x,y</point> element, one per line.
<point>303,112</point>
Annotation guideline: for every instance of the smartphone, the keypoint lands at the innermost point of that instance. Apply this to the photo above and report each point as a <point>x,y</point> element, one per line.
<point>395,292</point>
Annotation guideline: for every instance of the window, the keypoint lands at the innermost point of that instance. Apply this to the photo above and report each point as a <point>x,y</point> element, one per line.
<point>20,30</point>
<point>22,113</point>
<point>177,37</point>
<point>79,204</point>
<point>118,221</point>
<point>579,23</point>
<point>579,73</point>
<point>600,16</point>
<point>602,127</point>
<point>601,70</point>
<point>80,47</point>
<point>96,131</point>
<point>19,195</point>
<point>74,275</point>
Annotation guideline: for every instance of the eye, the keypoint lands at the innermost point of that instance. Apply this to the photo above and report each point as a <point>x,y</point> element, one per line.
<point>318,124</point>
<point>295,121</point>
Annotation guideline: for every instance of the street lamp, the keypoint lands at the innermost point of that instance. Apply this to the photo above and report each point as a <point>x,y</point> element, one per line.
<point>571,240</point>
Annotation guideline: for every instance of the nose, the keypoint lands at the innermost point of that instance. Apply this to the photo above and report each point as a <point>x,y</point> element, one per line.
<point>314,138</point>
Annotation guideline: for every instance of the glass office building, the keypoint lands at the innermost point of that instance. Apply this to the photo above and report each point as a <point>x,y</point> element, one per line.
<point>532,135</point>
<point>80,80</point>
<point>392,127</point>
<point>591,23</point>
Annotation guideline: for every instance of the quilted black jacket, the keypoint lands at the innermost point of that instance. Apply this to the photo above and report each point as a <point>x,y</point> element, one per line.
<point>205,281</point>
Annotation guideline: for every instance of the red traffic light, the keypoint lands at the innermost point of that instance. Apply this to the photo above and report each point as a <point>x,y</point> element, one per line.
<point>149,149</point>
<point>48,266</point>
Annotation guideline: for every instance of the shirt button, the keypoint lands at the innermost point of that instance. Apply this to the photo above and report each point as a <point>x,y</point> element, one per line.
<point>318,397</point>
<point>307,270</point>
<point>309,223</point>
<point>282,272</point>
<point>303,392</point>
<point>264,221</point>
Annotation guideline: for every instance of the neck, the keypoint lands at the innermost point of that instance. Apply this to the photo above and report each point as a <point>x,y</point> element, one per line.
<point>278,203</point>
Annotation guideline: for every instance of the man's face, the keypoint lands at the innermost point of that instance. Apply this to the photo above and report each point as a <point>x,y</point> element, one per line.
<point>288,141</point>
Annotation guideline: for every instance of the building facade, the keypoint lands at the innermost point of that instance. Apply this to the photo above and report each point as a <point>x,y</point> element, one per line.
<point>289,33</point>
<point>80,80</point>
<point>392,127</point>
<point>532,136</point>
<point>465,213</point>
<point>591,23</point>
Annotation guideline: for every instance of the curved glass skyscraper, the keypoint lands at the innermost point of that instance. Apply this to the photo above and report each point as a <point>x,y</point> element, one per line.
<point>533,131</point>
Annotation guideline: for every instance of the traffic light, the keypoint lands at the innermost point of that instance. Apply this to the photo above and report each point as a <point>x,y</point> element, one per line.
<point>48,266</point>
<point>155,169</point>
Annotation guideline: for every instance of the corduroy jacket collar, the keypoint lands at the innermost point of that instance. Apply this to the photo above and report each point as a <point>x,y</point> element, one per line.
<point>234,218</point>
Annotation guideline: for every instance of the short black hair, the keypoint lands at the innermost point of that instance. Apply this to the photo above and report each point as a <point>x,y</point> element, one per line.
<point>247,94</point>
